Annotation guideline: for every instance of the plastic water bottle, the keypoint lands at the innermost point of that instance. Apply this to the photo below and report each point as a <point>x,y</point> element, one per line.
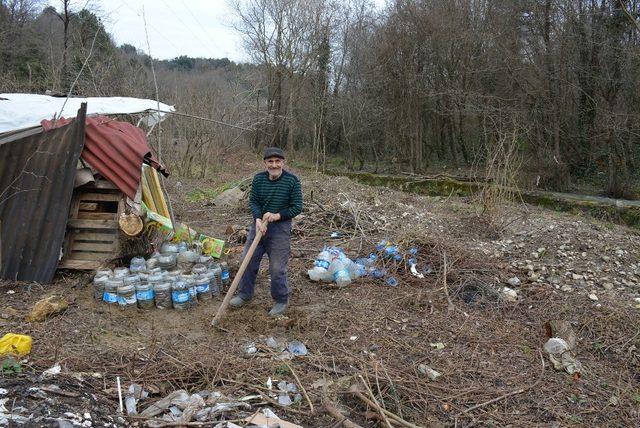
<point>225,275</point>
<point>377,273</point>
<point>381,245</point>
<point>320,269</point>
<point>138,264</point>
<point>391,281</point>
<point>339,271</point>
<point>391,252</point>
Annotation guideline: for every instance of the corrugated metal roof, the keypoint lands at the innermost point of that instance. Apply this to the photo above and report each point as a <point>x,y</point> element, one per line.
<point>36,185</point>
<point>116,150</point>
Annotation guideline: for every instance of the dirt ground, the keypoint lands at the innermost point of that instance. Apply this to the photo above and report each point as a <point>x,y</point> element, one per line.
<point>456,320</point>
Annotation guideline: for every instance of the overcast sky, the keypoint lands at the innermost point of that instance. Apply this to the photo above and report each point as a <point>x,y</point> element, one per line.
<point>196,28</point>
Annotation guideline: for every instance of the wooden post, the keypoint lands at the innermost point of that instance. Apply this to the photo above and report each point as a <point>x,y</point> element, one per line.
<point>236,280</point>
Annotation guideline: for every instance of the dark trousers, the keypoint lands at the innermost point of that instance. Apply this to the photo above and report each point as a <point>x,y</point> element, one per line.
<point>277,244</point>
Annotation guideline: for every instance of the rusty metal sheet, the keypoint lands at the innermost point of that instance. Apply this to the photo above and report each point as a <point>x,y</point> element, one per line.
<point>116,150</point>
<point>36,184</point>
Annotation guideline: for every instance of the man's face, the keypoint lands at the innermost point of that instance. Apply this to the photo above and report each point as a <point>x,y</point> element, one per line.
<point>274,166</point>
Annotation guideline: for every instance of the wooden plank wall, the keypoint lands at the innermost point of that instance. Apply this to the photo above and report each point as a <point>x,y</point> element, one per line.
<point>92,230</point>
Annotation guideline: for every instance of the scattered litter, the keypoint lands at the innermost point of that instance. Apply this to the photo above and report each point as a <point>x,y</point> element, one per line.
<point>425,370</point>
<point>284,400</point>
<point>55,370</point>
<point>437,345</point>
<point>269,384</point>
<point>3,391</point>
<point>134,394</point>
<point>415,272</point>
<point>555,345</point>
<point>561,356</point>
<point>47,307</point>
<point>297,348</point>
<point>15,344</point>
<point>274,343</point>
<point>250,348</point>
<point>353,338</point>
<point>593,297</point>
<point>179,396</point>
<point>194,404</point>
<point>264,419</point>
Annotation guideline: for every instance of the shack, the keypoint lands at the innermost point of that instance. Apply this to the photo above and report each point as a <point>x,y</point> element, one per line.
<point>69,177</point>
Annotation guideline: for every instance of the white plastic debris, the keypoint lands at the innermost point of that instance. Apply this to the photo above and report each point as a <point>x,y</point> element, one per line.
<point>195,403</point>
<point>561,356</point>
<point>593,297</point>
<point>179,398</point>
<point>55,370</point>
<point>250,348</point>
<point>415,272</point>
<point>297,348</point>
<point>284,400</point>
<point>556,345</point>
<point>425,370</point>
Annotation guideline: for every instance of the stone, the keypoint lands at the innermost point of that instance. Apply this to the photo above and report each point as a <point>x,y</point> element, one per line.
<point>607,286</point>
<point>514,282</point>
<point>509,294</point>
<point>593,297</point>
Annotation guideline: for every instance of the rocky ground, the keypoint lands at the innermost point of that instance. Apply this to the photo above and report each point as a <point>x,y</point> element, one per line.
<point>462,346</point>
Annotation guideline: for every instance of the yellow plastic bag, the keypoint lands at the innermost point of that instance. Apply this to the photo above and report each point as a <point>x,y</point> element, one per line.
<point>15,344</point>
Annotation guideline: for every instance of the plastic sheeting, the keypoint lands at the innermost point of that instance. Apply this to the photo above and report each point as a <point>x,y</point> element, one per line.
<point>20,111</point>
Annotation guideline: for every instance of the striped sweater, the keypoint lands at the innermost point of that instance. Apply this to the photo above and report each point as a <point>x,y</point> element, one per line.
<point>283,195</point>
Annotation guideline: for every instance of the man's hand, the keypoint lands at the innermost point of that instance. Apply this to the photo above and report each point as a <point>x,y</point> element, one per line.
<point>271,217</point>
<point>261,226</point>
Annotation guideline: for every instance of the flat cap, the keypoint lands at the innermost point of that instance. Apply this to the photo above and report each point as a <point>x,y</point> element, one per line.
<point>271,152</point>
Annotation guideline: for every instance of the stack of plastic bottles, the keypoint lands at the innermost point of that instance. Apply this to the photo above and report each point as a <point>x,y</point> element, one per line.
<point>332,265</point>
<point>385,263</point>
<point>177,277</point>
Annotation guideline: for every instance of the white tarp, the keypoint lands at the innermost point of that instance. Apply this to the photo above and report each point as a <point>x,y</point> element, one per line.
<point>20,111</point>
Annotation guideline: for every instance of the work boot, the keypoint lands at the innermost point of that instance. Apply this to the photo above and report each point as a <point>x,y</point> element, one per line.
<point>278,309</point>
<point>237,301</point>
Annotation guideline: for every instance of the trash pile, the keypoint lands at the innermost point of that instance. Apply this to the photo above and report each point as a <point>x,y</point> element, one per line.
<point>177,277</point>
<point>386,262</point>
<point>180,407</point>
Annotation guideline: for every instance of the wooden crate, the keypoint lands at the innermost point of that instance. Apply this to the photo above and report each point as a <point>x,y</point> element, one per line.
<point>92,237</point>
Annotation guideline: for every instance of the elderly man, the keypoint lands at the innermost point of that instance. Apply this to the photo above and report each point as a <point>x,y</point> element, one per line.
<point>276,198</point>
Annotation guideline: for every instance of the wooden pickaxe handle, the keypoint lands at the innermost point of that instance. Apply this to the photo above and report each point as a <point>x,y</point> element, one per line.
<point>236,280</point>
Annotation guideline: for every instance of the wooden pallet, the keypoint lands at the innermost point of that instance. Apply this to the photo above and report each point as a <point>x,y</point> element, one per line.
<point>92,237</point>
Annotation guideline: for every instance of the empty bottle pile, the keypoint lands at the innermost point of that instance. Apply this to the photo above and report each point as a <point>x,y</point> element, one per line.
<point>177,277</point>
<point>387,262</point>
